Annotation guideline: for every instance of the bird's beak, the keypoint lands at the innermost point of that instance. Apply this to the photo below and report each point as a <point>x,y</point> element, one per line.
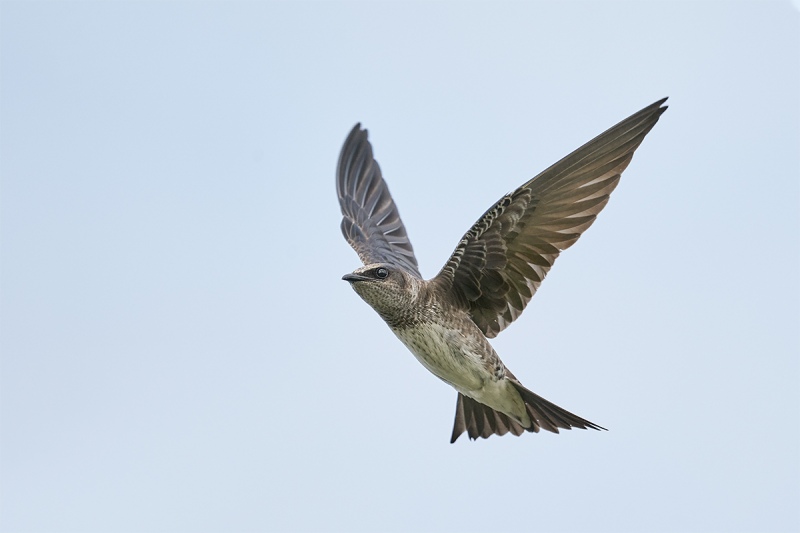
<point>354,277</point>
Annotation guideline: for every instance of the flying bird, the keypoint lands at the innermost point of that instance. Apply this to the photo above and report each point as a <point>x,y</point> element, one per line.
<point>491,276</point>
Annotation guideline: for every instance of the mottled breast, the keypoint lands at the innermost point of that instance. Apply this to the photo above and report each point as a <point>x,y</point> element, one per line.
<point>449,353</point>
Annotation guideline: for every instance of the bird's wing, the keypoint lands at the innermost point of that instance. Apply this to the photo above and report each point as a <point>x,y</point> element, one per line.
<point>501,261</point>
<point>370,220</point>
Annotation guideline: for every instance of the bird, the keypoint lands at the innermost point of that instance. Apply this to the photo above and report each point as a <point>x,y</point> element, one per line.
<point>496,268</point>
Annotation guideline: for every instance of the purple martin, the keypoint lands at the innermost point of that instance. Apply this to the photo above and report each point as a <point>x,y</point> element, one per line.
<point>491,276</point>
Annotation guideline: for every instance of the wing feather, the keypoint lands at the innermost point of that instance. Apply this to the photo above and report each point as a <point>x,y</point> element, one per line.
<point>500,262</point>
<point>370,220</point>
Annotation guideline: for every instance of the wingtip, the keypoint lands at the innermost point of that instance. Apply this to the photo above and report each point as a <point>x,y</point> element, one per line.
<point>356,130</point>
<point>660,104</point>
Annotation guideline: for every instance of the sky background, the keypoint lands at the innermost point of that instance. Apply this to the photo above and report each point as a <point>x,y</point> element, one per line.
<point>179,353</point>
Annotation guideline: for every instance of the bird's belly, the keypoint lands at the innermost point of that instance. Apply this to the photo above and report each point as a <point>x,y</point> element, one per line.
<point>461,361</point>
<point>447,353</point>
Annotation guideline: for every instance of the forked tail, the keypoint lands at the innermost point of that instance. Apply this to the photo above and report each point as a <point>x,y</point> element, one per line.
<point>480,420</point>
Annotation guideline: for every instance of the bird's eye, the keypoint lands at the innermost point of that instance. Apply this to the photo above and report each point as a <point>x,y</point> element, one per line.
<point>381,273</point>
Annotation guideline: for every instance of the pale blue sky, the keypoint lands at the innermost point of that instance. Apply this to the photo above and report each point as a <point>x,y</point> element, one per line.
<point>179,353</point>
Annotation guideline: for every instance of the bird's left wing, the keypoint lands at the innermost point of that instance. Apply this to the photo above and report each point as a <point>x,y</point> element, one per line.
<point>370,220</point>
<point>500,262</point>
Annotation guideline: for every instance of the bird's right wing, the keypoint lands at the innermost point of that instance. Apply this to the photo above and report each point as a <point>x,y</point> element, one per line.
<point>500,262</point>
<point>370,220</point>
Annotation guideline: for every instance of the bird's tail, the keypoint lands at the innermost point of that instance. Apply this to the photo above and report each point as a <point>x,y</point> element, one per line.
<point>480,420</point>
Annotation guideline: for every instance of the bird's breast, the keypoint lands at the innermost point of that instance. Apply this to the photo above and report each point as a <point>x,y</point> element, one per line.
<point>449,353</point>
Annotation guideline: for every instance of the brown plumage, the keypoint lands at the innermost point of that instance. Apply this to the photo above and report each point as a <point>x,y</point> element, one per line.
<point>491,276</point>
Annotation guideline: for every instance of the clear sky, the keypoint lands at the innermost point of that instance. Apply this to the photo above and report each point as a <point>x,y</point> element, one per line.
<point>179,353</point>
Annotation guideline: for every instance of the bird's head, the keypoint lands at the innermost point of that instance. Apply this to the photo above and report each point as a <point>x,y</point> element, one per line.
<point>390,290</point>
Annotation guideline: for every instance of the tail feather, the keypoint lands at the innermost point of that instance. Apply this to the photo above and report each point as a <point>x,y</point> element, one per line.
<point>480,420</point>
<point>550,416</point>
